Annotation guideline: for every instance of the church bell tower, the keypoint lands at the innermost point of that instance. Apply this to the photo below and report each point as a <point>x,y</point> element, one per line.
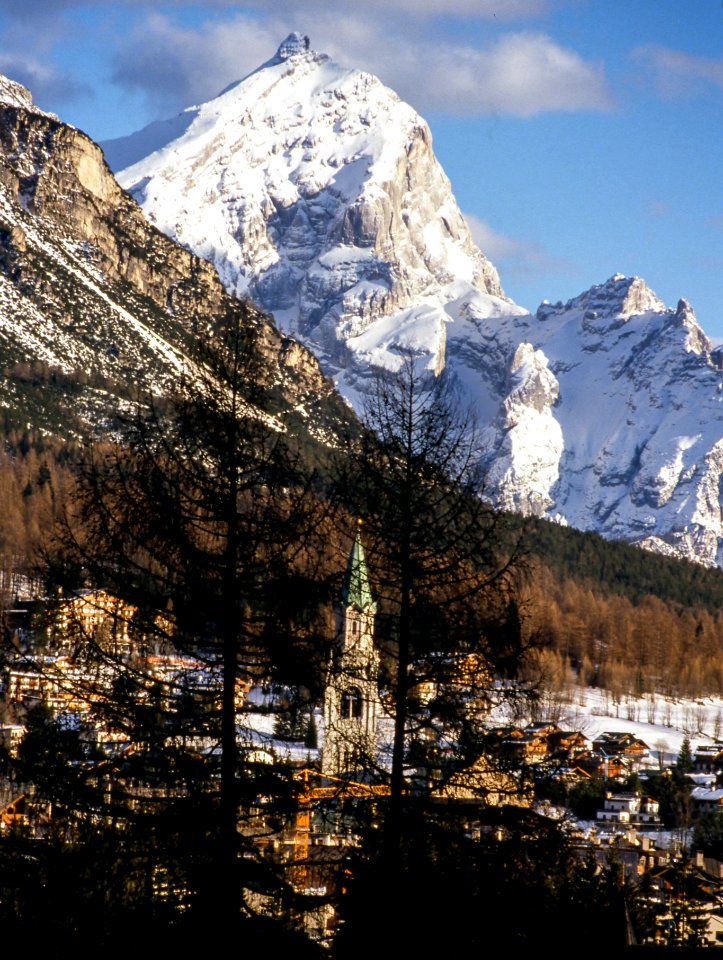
<point>351,696</point>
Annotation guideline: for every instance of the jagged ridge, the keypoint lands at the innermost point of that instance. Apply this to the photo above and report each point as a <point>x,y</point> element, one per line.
<point>315,189</point>
<point>88,288</point>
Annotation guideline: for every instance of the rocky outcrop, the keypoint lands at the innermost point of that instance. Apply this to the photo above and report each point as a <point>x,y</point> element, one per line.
<point>91,289</point>
<point>526,441</point>
<point>302,185</point>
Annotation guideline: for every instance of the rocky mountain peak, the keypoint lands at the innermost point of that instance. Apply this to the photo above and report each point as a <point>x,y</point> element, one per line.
<point>295,45</point>
<point>696,340</point>
<point>16,95</point>
<point>638,298</point>
<point>315,191</point>
<point>92,292</point>
<point>619,297</point>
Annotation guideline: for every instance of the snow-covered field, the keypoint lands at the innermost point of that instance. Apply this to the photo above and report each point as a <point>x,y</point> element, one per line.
<point>662,723</point>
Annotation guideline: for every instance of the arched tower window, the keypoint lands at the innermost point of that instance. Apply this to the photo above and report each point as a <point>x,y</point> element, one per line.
<point>351,704</point>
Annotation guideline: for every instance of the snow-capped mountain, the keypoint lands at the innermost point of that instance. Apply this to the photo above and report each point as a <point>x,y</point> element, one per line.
<point>611,418</point>
<point>314,190</point>
<point>94,302</point>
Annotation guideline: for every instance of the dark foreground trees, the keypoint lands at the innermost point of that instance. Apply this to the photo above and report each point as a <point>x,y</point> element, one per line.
<point>454,860</point>
<point>199,535</point>
<point>446,571</point>
<point>513,886</point>
<point>199,530</point>
<point>445,574</point>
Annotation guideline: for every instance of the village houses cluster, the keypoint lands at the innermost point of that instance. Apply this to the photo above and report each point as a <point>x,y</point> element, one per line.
<point>352,724</point>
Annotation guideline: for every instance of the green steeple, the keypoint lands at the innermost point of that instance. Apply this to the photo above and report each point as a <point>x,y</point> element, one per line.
<point>356,591</point>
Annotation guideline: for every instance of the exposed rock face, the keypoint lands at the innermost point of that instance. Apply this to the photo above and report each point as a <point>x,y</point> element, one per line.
<point>640,412</point>
<point>89,288</point>
<point>317,191</point>
<point>17,95</point>
<point>526,438</point>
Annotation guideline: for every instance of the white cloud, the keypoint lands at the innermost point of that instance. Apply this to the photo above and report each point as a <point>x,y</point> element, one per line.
<point>176,66</point>
<point>518,258</point>
<point>679,74</point>
<point>484,9</point>
<point>43,80</point>
<point>521,74</point>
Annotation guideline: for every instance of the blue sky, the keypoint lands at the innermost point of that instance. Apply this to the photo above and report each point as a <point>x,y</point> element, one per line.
<point>582,137</point>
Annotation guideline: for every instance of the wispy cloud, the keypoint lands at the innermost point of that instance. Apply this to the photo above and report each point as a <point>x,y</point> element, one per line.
<point>484,9</point>
<point>42,79</point>
<point>518,258</point>
<point>176,66</point>
<point>521,74</point>
<point>677,74</point>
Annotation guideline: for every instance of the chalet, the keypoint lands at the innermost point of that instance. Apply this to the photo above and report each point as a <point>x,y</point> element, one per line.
<point>95,616</point>
<point>704,799</point>
<point>623,744</point>
<point>708,758</point>
<point>688,904</point>
<point>481,782</point>
<point>23,809</point>
<point>530,747</point>
<point>55,681</point>
<point>629,808</point>
<point>542,728</point>
<point>601,766</point>
<point>10,736</point>
<point>568,743</point>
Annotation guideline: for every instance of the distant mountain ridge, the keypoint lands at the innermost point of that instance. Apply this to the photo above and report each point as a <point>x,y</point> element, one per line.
<point>315,190</point>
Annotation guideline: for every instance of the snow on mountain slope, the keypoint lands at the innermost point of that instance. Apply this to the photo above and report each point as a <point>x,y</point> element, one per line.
<point>95,303</point>
<point>637,398</point>
<point>315,190</point>
<point>16,95</point>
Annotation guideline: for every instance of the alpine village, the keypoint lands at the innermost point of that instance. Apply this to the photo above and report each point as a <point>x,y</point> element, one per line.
<point>335,620</point>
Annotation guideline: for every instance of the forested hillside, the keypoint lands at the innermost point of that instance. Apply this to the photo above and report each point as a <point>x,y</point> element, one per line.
<point>603,613</point>
<point>616,568</point>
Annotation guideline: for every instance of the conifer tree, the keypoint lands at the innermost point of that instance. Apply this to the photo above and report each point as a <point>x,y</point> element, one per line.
<point>684,763</point>
<point>202,524</point>
<point>443,574</point>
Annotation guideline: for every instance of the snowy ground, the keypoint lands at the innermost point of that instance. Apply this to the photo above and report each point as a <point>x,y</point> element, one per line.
<point>662,723</point>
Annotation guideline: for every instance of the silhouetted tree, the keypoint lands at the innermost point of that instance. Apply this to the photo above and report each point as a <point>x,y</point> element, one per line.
<point>201,523</point>
<point>443,573</point>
